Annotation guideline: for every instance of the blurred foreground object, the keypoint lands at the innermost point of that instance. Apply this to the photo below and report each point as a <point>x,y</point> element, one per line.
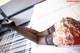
<point>2,2</point>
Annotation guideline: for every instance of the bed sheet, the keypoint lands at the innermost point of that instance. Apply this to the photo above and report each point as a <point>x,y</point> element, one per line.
<point>47,13</point>
<point>53,49</point>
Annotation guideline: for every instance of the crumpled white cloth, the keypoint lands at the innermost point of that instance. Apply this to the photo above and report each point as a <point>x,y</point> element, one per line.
<point>53,49</point>
<point>50,11</point>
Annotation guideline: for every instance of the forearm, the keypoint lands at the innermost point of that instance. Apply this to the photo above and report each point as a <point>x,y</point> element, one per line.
<point>47,31</point>
<point>26,33</point>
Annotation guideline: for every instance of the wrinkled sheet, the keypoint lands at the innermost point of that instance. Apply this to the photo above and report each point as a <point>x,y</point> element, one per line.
<point>53,49</point>
<point>50,11</point>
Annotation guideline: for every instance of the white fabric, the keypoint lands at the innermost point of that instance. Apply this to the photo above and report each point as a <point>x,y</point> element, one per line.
<point>52,49</point>
<point>47,13</point>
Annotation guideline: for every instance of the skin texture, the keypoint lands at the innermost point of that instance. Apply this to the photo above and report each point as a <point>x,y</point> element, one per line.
<point>37,37</point>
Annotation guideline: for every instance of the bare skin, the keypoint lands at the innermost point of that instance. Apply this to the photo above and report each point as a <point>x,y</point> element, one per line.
<point>33,35</point>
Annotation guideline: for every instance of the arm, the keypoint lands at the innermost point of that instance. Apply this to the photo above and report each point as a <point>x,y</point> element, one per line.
<point>47,31</point>
<point>29,33</point>
<point>38,37</point>
<point>26,32</point>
